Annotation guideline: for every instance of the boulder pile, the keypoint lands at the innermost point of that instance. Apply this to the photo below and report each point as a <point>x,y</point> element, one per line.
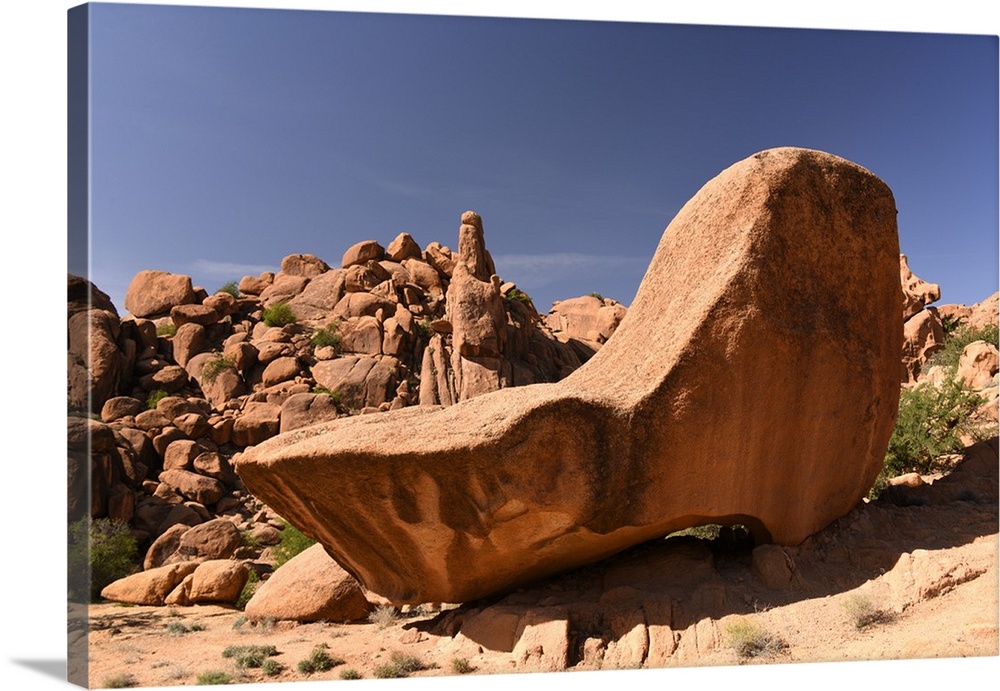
<point>162,400</point>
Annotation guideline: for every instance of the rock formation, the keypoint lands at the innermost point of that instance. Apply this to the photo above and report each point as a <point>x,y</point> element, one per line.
<point>923,332</point>
<point>428,504</point>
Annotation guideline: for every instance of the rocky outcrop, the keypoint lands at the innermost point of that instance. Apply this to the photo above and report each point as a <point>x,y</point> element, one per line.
<point>154,293</point>
<point>923,330</point>
<point>424,504</point>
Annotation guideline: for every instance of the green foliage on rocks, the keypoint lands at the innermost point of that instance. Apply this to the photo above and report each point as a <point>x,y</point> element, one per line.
<point>279,314</point>
<point>955,342</point>
<point>216,366</point>
<point>103,548</point>
<point>293,542</point>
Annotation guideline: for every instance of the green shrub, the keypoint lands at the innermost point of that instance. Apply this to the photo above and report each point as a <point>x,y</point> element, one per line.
<point>956,341</point>
<point>932,419</point>
<point>425,326</point>
<point>176,628</point>
<point>214,677</point>
<point>520,296</point>
<point>597,295</point>
<point>279,314</point>
<point>232,288</point>
<point>318,661</point>
<point>400,665</point>
<point>350,674</point>
<point>864,612</point>
<point>216,366</point>
<point>249,656</point>
<point>461,665</point>
<point>155,397</point>
<point>103,548</point>
<point>335,395</point>
<point>750,639</point>
<point>121,681</point>
<point>166,329</point>
<point>272,667</point>
<point>249,588</point>
<point>293,542</point>
<point>327,336</point>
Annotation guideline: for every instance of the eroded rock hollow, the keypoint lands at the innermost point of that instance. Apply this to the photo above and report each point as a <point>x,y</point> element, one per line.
<point>754,380</point>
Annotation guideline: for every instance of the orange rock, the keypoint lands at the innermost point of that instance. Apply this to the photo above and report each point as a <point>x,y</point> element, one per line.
<point>447,505</point>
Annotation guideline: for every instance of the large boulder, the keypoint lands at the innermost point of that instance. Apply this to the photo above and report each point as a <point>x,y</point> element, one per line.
<point>148,587</point>
<point>154,293</point>
<point>310,587</point>
<point>780,278</point>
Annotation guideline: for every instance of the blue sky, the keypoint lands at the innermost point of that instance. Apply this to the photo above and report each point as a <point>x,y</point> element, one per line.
<point>224,139</point>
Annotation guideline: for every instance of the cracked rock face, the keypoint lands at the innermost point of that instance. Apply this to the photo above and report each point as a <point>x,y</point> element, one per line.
<point>754,380</point>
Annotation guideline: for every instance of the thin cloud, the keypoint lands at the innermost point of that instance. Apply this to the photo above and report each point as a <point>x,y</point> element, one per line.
<point>544,269</point>
<point>227,270</point>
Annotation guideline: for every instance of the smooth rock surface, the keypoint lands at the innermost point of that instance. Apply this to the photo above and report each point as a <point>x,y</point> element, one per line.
<point>780,277</point>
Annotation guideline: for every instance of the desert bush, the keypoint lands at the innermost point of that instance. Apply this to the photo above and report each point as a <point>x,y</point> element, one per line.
<point>863,611</point>
<point>232,288</point>
<point>383,615</point>
<point>400,665</point>
<point>272,667</point>
<point>318,661</point>
<point>750,639</point>
<point>249,656</point>
<point>327,336</point>
<point>215,366</point>
<point>932,420</point>
<point>597,295</point>
<point>155,397</point>
<point>166,329</point>
<point>176,628</point>
<point>279,314</point>
<point>334,394</point>
<point>293,542</point>
<point>99,552</point>
<point>214,677</point>
<point>955,343</point>
<point>249,588</point>
<point>350,674</point>
<point>121,681</point>
<point>461,665</point>
<point>520,296</point>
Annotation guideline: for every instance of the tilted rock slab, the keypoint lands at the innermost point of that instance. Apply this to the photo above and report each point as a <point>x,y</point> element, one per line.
<point>754,380</point>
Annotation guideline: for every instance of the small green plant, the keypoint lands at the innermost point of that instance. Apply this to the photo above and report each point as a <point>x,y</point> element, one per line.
<point>520,296</point>
<point>350,674</point>
<point>155,397</point>
<point>240,621</point>
<point>461,665</point>
<point>216,366</point>
<point>293,542</point>
<point>272,667</point>
<point>249,656</point>
<point>932,420</point>
<point>383,615</point>
<point>597,295</point>
<point>334,394</point>
<point>863,611</point>
<point>121,681</point>
<point>166,329</point>
<point>176,628</point>
<point>99,552</point>
<point>750,639</point>
<point>950,324</point>
<point>400,665</point>
<point>279,314</point>
<point>249,588</point>
<point>425,326</point>
<point>232,288</point>
<point>214,677</point>
<point>318,661</point>
<point>327,336</point>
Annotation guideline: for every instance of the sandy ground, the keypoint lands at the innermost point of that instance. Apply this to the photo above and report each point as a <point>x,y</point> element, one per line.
<point>927,560</point>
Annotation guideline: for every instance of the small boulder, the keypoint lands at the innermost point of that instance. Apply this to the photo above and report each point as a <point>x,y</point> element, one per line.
<point>154,293</point>
<point>362,252</point>
<point>219,580</point>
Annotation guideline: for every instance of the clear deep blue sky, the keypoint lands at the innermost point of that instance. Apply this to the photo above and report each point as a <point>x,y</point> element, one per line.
<point>224,139</point>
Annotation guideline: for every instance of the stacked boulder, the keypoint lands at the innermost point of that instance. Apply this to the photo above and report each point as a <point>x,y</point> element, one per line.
<point>923,333</point>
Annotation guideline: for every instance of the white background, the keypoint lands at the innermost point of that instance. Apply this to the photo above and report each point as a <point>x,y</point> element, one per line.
<point>32,331</point>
